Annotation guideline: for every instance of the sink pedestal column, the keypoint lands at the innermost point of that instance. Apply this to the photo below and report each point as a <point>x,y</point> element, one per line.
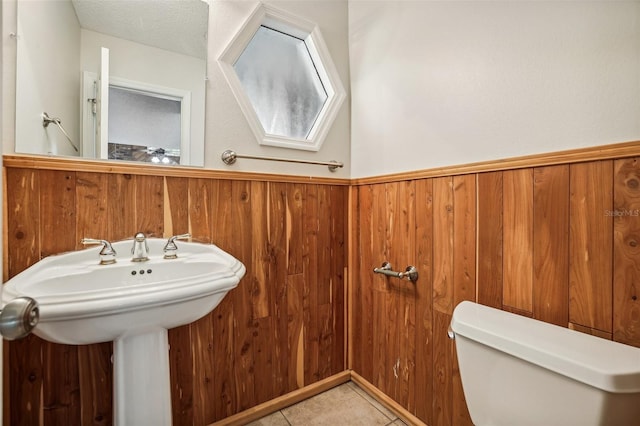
<point>141,384</point>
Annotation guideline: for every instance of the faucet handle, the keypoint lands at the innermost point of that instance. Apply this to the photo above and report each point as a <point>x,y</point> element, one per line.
<point>107,254</point>
<point>171,249</point>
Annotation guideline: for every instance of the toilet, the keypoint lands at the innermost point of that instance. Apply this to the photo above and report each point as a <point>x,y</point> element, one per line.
<point>519,371</point>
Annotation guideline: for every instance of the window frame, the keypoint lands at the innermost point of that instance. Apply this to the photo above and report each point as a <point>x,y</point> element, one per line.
<point>277,19</point>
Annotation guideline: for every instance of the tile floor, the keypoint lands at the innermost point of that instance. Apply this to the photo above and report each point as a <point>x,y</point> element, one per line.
<point>344,405</point>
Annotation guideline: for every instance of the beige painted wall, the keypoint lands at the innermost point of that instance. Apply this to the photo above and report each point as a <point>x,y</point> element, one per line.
<point>438,83</point>
<point>227,127</point>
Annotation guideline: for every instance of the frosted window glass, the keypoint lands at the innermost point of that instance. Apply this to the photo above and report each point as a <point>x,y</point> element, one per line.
<point>281,81</point>
<point>137,118</point>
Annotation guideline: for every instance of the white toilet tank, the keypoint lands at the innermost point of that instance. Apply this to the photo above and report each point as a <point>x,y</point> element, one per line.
<point>519,371</point>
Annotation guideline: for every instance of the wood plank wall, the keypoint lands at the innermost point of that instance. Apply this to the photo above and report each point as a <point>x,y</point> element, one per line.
<point>282,328</point>
<point>557,243</point>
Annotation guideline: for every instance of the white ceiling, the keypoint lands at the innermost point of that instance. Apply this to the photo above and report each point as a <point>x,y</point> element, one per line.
<point>176,25</point>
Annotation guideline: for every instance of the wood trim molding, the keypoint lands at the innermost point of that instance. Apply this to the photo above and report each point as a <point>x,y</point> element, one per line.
<point>84,165</point>
<point>388,403</point>
<point>602,152</point>
<point>284,401</point>
<point>314,389</point>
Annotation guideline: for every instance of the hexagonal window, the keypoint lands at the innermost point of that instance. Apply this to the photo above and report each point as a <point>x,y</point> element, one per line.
<point>282,83</point>
<point>282,75</point>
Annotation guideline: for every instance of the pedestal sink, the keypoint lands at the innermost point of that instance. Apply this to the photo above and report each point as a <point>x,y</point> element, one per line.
<point>132,304</point>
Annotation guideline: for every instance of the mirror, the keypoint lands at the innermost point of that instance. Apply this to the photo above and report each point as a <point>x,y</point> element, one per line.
<point>112,79</point>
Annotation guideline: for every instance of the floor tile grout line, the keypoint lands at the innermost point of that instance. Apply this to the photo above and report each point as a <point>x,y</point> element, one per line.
<point>395,417</point>
<point>285,418</point>
<point>353,388</point>
<point>379,410</point>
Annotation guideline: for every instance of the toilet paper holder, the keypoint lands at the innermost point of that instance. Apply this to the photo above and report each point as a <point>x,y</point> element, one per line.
<point>410,273</point>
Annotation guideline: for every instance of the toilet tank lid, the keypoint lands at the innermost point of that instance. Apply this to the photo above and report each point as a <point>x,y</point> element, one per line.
<point>598,362</point>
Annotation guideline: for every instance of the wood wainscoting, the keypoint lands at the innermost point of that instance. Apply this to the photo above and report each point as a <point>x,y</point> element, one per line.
<point>554,237</point>
<point>281,329</point>
<point>559,243</point>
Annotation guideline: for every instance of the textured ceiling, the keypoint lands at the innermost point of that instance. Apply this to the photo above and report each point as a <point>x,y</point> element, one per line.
<point>175,25</point>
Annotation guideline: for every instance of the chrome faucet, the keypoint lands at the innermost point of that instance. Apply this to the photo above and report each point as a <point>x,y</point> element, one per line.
<point>107,254</point>
<point>140,249</point>
<point>171,249</point>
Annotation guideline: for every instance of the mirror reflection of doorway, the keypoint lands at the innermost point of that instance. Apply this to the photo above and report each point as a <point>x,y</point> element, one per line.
<point>146,123</point>
<point>144,126</point>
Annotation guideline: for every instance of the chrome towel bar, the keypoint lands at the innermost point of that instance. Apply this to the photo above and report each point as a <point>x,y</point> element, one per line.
<point>411,273</point>
<point>229,157</point>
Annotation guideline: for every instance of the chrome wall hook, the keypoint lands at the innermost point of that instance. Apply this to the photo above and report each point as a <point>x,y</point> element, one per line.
<point>410,273</point>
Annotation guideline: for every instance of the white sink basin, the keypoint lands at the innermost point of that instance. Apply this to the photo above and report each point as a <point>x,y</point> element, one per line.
<point>131,303</point>
<point>83,302</point>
